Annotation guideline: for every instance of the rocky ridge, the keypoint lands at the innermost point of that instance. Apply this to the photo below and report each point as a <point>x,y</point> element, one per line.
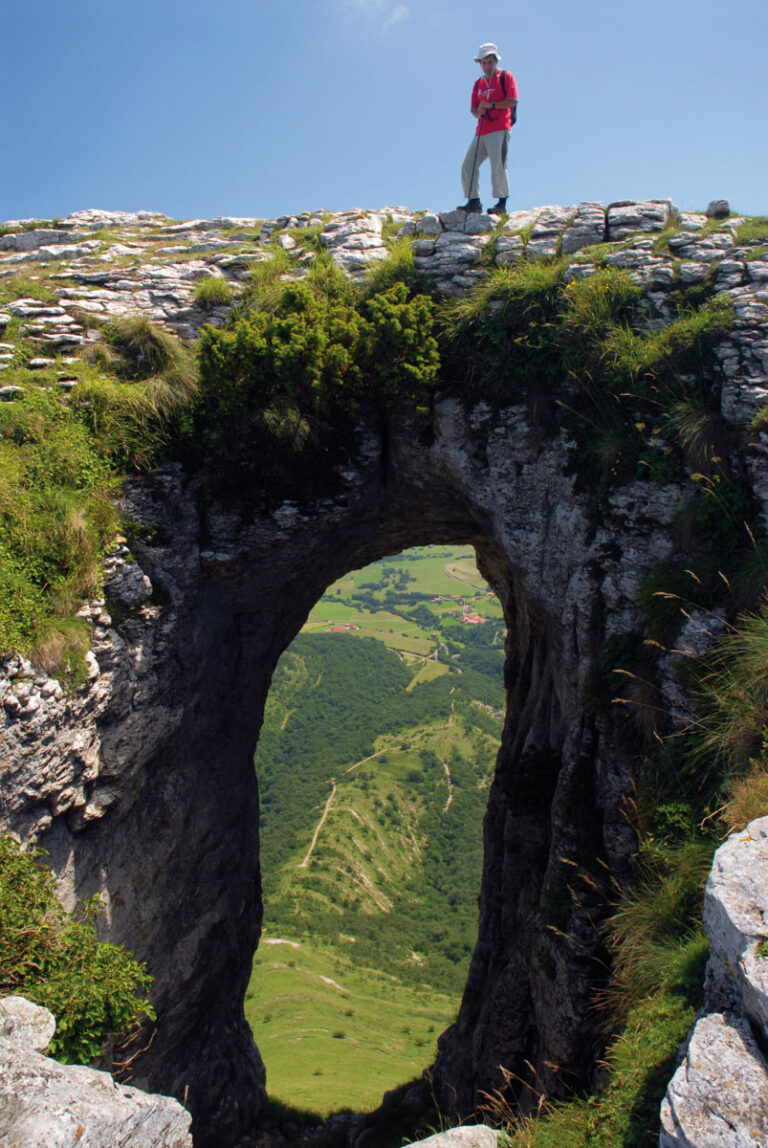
<point>156,747</point>
<point>145,263</point>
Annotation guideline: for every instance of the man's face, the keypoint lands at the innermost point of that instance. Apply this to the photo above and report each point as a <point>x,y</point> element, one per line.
<point>488,64</point>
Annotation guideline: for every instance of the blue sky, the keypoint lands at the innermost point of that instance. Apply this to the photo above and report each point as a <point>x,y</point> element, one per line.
<point>243,107</point>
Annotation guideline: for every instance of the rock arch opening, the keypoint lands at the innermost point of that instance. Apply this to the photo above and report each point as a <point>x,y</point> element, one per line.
<point>374,761</point>
<point>176,852</point>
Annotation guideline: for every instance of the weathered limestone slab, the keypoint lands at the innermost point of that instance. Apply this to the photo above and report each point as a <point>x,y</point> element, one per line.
<point>43,1103</point>
<point>629,216</point>
<point>707,249</point>
<point>466,1136</point>
<point>467,222</point>
<point>718,1098</point>
<point>736,919</point>
<point>588,227</point>
<point>25,1023</point>
<point>37,237</point>
<point>546,232</point>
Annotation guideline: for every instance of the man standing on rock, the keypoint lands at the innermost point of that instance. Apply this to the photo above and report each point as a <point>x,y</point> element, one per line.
<point>494,104</point>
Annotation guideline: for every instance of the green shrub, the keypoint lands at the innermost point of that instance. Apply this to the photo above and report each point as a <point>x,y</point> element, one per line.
<point>95,990</point>
<point>281,386</point>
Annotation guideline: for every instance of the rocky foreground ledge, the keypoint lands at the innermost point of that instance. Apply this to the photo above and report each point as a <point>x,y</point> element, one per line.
<point>48,1105</point>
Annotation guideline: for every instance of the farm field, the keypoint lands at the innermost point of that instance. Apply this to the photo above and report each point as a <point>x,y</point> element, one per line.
<point>375,758</point>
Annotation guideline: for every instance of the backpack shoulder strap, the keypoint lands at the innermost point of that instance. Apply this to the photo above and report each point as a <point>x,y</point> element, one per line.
<point>503,79</point>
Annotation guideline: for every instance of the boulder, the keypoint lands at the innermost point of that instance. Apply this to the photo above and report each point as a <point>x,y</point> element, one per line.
<point>736,919</point>
<point>718,209</point>
<point>628,216</point>
<point>718,1098</point>
<point>467,1136</point>
<point>57,1105</point>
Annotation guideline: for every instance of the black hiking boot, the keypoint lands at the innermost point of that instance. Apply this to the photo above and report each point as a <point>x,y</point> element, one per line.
<point>498,208</point>
<point>472,205</point>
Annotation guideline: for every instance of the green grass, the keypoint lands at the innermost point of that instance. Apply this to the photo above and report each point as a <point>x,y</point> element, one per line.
<point>352,1033</point>
<point>213,292</point>
<point>26,286</point>
<point>61,461</point>
<point>753,230</point>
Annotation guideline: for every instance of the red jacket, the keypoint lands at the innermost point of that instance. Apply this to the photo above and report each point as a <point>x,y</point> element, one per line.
<point>498,119</point>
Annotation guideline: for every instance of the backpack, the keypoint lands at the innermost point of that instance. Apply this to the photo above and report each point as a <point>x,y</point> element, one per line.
<point>502,79</point>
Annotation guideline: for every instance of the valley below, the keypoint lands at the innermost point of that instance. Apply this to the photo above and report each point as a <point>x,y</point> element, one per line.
<point>374,761</point>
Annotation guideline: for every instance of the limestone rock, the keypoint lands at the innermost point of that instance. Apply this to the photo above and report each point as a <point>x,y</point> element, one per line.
<point>36,237</point>
<point>354,240</point>
<point>95,219</point>
<point>26,1024</point>
<point>56,252</point>
<point>546,233</point>
<point>128,586</point>
<point>56,1105</point>
<point>587,227</point>
<point>509,249</point>
<point>718,1098</point>
<point>692,220</point>
<point>628,216</point>
<point>466,1136</point>
<point>736,919</point>
<point>467,223</point>
<point>718,209</point>
<point>687,245</point>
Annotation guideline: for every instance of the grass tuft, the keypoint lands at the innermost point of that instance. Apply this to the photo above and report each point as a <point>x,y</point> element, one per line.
<point>213,292</point>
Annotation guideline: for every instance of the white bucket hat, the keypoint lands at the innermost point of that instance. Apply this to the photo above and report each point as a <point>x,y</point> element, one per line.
<point>487,50</point>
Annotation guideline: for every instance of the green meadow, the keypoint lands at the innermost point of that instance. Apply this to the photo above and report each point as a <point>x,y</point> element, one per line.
<point>333,1034</point>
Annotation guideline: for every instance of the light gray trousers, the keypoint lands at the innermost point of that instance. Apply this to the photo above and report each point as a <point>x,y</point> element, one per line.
<point>492,146</point>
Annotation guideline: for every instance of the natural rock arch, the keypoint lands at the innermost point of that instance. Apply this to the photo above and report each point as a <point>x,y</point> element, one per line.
<point>155,800</point>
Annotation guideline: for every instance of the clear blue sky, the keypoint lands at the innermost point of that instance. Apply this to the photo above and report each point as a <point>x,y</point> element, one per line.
<point>249,107</point>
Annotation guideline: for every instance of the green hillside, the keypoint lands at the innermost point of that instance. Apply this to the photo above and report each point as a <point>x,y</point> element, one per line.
<point>377,749</point>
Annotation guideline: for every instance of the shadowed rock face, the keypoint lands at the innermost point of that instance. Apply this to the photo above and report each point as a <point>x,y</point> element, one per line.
<point>142,785</point>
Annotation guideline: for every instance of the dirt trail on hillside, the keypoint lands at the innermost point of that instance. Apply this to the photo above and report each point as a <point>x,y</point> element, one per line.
<point>449,783</point>
<point>370,757</point>
<point>303,864</point>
